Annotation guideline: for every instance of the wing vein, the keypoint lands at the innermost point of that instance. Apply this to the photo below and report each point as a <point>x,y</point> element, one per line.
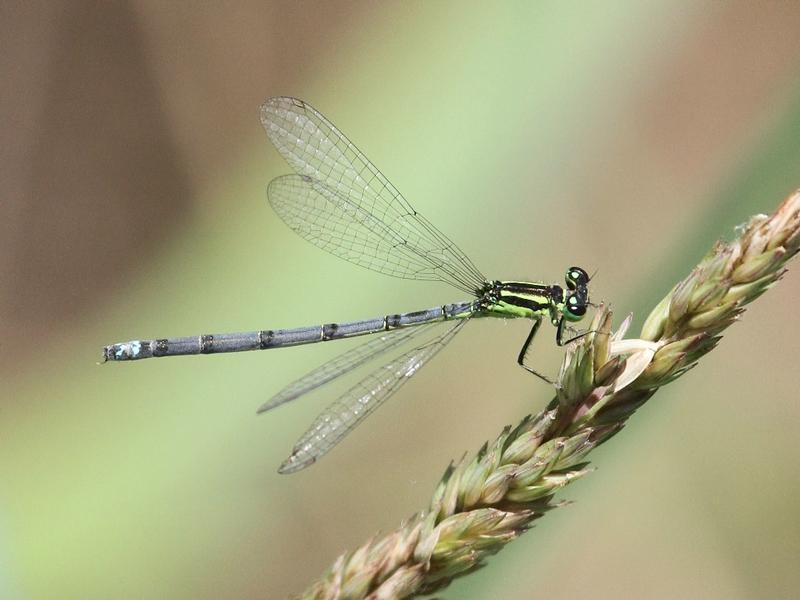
<point>351,408</point>
<point>342,203</point>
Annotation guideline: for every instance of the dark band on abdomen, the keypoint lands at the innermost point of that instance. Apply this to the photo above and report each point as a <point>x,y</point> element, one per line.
<point>206,344</point>
<point>265,337</point>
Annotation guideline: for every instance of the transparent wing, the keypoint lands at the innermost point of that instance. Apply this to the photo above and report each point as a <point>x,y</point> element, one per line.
<point>343,204</point>
<point>332,222</point>
<point>344,363</point>
<point>339,419</point>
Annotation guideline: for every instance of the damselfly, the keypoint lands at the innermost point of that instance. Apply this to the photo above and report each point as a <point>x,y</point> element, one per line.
<point>339,201</point>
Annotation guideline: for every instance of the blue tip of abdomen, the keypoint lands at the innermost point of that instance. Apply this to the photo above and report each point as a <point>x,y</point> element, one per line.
<point>124,351</point>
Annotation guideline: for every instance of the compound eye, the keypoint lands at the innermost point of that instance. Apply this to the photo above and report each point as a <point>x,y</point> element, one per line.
<point>576,277</point>
<point>574,310</point>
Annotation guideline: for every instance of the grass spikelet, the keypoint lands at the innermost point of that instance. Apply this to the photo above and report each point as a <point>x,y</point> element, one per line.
<point>482,504</point>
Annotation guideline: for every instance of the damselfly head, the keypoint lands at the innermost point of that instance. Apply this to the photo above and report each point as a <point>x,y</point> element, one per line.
<point>574,306</point>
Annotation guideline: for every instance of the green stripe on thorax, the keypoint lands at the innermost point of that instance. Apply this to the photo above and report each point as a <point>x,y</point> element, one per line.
<point>522,299</point>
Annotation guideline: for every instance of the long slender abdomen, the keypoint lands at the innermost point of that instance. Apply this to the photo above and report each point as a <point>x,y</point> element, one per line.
<point>279,338</point>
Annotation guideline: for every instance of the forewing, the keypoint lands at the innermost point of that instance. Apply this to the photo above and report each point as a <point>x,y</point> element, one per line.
<point>341,417</point>
<point>353,197</point>
<point>332,222</point>
<point>344,363</point>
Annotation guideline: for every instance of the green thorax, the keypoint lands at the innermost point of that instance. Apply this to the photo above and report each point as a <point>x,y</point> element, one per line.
<point>522,299</point>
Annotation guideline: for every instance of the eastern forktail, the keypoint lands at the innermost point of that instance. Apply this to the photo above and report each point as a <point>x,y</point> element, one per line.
<point>339,201</point>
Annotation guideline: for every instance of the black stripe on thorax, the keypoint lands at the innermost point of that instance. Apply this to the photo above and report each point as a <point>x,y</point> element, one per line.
<point>524,287</point>
<point>534,296</point>
<point>524,301</point>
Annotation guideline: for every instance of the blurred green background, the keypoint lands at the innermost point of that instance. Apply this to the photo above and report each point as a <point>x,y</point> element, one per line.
<point>625,137</point>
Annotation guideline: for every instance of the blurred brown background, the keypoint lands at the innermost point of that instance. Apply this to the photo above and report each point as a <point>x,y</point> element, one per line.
<point>625,137</point>
<point>119,113</point>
